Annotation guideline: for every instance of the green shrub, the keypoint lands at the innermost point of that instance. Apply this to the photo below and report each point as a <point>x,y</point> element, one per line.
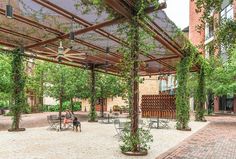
<point>77,106</point>
<point>26,109</point>
<point>125,108</point>
<point>142,138</point>
<point>9,114</point>
<point>44,108</point>
<point>65,105</point>
<point>53,108</point>
<point>3,105</point>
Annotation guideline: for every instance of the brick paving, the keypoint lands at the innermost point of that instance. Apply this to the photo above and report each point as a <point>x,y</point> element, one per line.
<point>215,141</point>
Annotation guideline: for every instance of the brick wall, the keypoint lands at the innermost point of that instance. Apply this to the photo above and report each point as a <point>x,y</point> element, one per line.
<point>149,86</point>
<point>197,37</point>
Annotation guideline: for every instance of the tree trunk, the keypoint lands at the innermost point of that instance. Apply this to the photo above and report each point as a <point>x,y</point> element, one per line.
<point>72,105</point>
<point>42,89</point>
<point>93,94</point>
<point>61,96</point>
<point>60,108</point>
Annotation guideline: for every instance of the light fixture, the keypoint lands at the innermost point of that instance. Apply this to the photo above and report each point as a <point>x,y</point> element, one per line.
<point>9,10</point>
<point>72,36</point>
<point>107,50</point>
<point>22,50</point>
<point>59,59</point>
<point>106,63</point>
<point>60,51</point>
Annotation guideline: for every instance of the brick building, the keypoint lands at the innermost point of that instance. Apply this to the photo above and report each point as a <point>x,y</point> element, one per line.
<point>224,104</point>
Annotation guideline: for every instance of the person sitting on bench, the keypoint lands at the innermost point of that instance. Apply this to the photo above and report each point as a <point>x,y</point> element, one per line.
<point>76,123</point>
<point>68,118</point>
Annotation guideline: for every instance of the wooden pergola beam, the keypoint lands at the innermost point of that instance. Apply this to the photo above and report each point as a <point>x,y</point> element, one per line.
<point>77,19</point>
<point>162,58</point>
<point>7,44</point>
<point>18,34</point>
<point>31,23</point>
<point>119,7</point>
<point>54,31</point>
<point>160,38</point>
<point>97,57</point>
<point>81,31</point>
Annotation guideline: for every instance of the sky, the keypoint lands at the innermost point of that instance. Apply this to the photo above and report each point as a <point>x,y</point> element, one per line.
<point>178,12</point>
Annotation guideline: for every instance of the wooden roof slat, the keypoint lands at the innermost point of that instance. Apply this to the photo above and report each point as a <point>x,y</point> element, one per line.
<point>7,44</point>
<point>31,22</point>
<point>81,31</point>
<point>54,31</point>
<point>77,19</point>
<point>18,34</point>
<point>125,9</point>
<point>162,58</point>
<point>119,7</point>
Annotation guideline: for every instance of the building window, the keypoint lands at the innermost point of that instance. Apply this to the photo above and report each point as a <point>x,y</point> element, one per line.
<point>209,30</point>
<point>227,12</point>
<point>209,50</point>
<point>223,54</point>
<point>163,85</point>
<point>167,83</point>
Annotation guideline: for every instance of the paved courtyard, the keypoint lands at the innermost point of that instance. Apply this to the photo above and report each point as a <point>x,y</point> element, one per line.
<point>215,141</point>
<point>96,141</point>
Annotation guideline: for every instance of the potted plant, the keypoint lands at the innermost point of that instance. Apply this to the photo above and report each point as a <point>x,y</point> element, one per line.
<point>142,139</point>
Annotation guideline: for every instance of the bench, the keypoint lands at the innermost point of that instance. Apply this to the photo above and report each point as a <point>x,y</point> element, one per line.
<point>54,123</point>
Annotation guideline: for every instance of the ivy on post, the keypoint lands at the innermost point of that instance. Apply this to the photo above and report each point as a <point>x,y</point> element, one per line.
<point>92,113</point>
<point>182,92</point>
<point>200,96</point>
<point>18,94</point>
<point>134,78</point>
<point>182,95</point>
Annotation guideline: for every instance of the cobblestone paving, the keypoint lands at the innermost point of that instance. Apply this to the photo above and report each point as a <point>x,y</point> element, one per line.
<point>215,141</point>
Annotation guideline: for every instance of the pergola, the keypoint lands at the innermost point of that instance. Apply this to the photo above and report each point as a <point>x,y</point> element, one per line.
<point>66,32</point>
<point>38,26</point>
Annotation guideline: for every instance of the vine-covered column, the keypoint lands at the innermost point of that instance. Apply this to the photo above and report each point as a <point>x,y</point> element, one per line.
<point>18,94</point>
<point>182,94</point>
<point>92,113</point>
<point>200,96</point>
<point>134,78</point>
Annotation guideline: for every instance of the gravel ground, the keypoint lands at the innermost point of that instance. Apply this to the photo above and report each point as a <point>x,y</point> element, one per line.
<point>96,141</point>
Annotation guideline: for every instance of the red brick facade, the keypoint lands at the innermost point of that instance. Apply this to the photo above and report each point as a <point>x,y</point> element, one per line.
<point>196,36</point>
<point>198,39</point>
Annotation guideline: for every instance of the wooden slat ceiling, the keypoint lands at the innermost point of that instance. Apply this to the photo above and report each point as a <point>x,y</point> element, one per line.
<point>40,25</point>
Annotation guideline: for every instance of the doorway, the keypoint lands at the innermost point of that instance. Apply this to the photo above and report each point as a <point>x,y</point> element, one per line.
<point>227,103</point>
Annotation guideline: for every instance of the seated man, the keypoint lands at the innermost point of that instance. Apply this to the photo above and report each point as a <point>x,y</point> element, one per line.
<point>68,117</point>
<point>76,123</point>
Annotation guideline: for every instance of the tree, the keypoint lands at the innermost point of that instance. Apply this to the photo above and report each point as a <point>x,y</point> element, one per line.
<point>222,80</point>
<point>5,80</point>
<point>108,86</point>
<point>37,79</point>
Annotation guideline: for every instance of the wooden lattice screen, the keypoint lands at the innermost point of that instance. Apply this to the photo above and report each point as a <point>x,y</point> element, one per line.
<point>162,106</point>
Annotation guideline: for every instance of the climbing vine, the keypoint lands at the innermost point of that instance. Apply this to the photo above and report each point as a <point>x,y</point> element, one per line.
<point>200,96</point>
<point>18,84</point>
<point>191,58</point>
